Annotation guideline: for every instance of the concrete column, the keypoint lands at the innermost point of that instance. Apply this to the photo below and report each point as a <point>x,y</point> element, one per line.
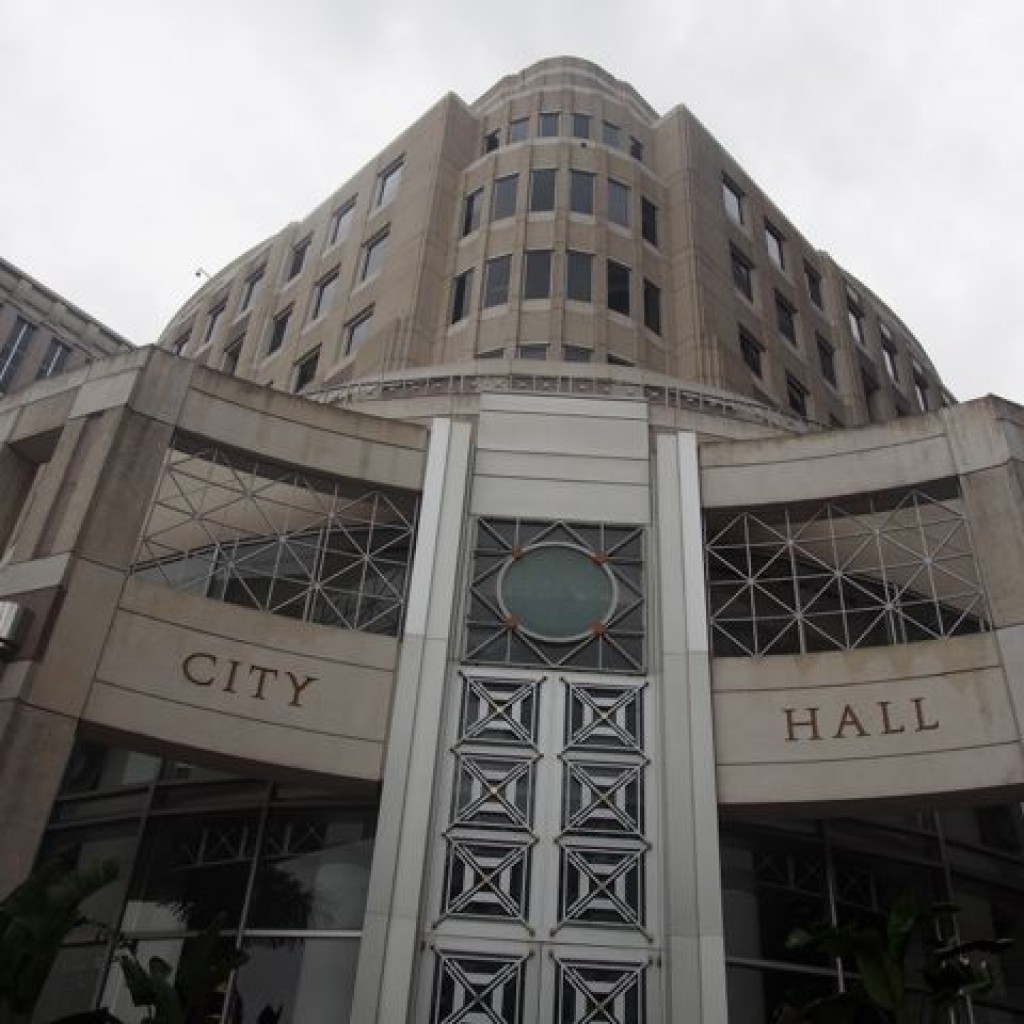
<point>391,931</point>
<point>695,968</point>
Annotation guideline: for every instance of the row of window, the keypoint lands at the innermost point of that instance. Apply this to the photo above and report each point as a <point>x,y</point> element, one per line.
<point>551,124</point>
<point>543,198</point>
<point>338,230</point>
<point>734,201</point>
<point>17,344</point>
<point>537,272</point>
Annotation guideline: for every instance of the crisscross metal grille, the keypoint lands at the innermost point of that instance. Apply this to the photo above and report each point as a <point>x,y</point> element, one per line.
<point>478,989</point>
<point>613,643</point>
<point>249,532</point>
<point>600,993</point>
<point>873,570</point>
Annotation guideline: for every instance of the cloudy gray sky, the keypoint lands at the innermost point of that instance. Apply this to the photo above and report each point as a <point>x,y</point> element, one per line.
<point>144,138</point>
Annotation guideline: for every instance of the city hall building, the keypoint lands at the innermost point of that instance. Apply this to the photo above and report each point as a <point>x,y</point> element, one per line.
<point>521,591</point>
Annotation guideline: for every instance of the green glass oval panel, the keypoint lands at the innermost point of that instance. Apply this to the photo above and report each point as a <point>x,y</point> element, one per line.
<point>557,592</point>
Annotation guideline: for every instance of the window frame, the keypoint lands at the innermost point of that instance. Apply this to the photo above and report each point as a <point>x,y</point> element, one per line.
<point>353,326</point>
<point>733,201</point>
<point>615,208</point>
<point>377,243</point>
<point>542,178</point>
<point>814,289</point>
<point>56,356</point>
<point>297,258</point>
<point>827,359</point>
<point>275,341</point>
<point>299,369</point>
<point>580,121</point>
<point>752,352</point>
<point>340,226</point>
<point>323,295</point>
<point>797,394</point>
<point>536,257</point>
<point>786,319</point>
<point>518,130</point>
<point>493,296</point>
<point>742,272</point>
<point>589,182</point>
<point>544,122</point>
<point>250,289</point>
<point>617,289</point>
<point>775,242</point>
<point>389,180</point>
<point>652,307</point>
<point>506,187</point>
<point>472,211</point>
<point>578,256</point>
<point>462,297</point>
<point>611,134</point>
<point>649,221</point>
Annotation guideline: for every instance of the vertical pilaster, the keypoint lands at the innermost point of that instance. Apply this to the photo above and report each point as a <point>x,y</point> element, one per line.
<point>695,973</point>
<point>391,931</point>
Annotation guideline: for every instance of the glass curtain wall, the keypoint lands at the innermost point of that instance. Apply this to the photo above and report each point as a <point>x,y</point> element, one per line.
<point>779,874</point>
<point>282,869</point>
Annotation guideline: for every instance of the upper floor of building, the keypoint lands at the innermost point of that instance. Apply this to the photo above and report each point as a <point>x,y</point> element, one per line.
<point>560,219</point>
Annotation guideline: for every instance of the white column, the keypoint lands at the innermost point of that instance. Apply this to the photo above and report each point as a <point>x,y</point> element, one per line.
<point>695,968</point>
<point>391,929</point>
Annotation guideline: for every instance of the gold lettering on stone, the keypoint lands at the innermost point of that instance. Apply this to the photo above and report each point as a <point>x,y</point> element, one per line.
<point>861,722</point>
<point>188,668</point>
<point>258,682</point>
<point>922,726</point>
<point>793,723</point>
<point>849,718</point>
<point>888,729</point>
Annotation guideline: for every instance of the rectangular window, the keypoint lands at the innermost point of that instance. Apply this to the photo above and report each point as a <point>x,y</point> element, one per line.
<point>471,212</point>
<point>796,395</point>
<point>579,276</point>
<point>618,202</point>
<point>305,371</point>
<point>577,354</point>
<point>752,351</point>
<point>785,318</point>
<point>920,389</point>
<point>374,252</point>
<point>462,292</point>
<point>323,296</point>
<point>357,330</point>
<point>636,149</point>
<point>775,242</point>
<point>341,223</point>
<point>250,290</point>
<point>497,275</point>
<point>491,141</point>
<point>856,318</point>
<point>387,183</point>
<point>278,330</point>
<point>610,134</point>
<point>890,355</point>
<point>648,221</point>
<point>618,288</point>
<point>519,130</point>
<point>179,345</point>
<point>732,200</point>
<point>54,360</point>
<point>503,202</point>
<point>537,274</point>
<point>742,272</point>
<point>826,360</point>
<point>548,125</point>
<point>531,351</point>
<point>814,286</point>
<point>213,322</point>
<point>652,306</point>
<point>581,192</point>
<point>542,190</point>
<point>581,126</point>
<point>297,259</point>
<point>229,364</point>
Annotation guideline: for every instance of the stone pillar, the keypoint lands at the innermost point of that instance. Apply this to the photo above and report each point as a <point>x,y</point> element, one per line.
<point>695,950</point>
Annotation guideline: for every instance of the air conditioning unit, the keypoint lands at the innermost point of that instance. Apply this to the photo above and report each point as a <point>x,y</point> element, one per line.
<point>13,620</point>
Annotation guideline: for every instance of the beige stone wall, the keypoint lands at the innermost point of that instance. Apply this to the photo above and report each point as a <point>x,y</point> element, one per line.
<point>679,167</point>
<point>54,321</point>
<point>914,720</point>
<point>80,457</point>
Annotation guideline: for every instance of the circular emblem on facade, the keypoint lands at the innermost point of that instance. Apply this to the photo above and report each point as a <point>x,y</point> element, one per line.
<point>557,592</point>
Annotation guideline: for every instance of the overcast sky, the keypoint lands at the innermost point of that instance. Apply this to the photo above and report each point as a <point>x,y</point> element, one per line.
<point>140,139</point>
